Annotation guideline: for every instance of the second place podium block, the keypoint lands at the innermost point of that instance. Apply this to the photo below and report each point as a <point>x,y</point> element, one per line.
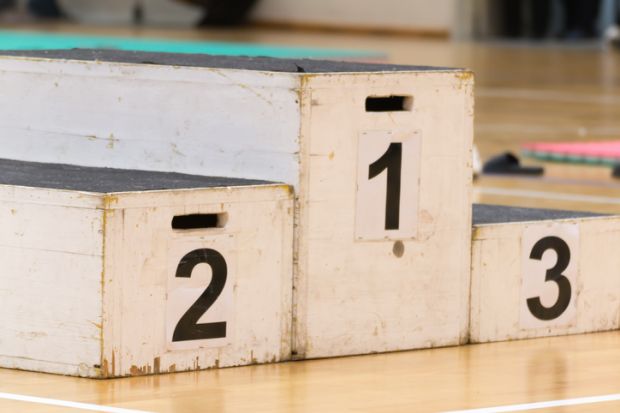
<point>109,273</point>
<point>538,273</point>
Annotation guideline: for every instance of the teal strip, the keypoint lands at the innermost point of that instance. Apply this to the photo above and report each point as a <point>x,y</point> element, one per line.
<point>18,40</point>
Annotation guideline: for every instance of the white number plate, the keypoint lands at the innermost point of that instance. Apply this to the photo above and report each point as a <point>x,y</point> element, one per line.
<point>388,185</point>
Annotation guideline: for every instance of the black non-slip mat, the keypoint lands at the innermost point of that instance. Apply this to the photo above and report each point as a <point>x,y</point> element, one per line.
<point>496,214</point>
<point>105,180</point>
<point>267,64</point>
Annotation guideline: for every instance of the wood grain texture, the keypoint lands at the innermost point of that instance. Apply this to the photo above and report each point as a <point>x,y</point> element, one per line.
<point>259,233</point>
<point>84,281</point>
<point>148,113</point>
<point>347,302</point>
<point>50,294</point>
<point>425,381</point>
<point>144,117</point>
<point>524,92</point>
<point>499,276</point>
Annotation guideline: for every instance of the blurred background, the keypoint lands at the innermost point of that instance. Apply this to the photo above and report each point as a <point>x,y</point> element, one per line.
<point>462,19</point>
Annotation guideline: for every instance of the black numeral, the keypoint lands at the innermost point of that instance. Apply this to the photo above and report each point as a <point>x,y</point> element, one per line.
<point>392,161</point>
<point>553,275</point>
<point>188,327</point>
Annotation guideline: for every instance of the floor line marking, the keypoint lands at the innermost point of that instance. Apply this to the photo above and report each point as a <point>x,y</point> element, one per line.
<point>63,403</point>
<point>543,405</point>
<point>547,195</point>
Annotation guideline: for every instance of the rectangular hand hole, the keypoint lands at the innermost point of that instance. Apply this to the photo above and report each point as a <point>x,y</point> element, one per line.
<point>389,103</point>
<point>199,221</point>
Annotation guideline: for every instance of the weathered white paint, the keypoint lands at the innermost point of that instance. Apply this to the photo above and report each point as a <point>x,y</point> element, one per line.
<point>151,117</point>
<point>50,281</point>
<point>136,281</point>
<point>351,296</point>
<point>356,297</point>
<point>498,277</point>
<point>83,289</point>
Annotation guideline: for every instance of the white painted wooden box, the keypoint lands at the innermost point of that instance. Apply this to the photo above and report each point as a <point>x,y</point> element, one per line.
<point>109,273</point>
<point>380,157</point>
<point>538,273</point>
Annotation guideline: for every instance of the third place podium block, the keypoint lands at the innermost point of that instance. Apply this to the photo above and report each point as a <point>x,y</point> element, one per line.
<point>379,155</point>
<point>538,273</point>
<point>109,273</point>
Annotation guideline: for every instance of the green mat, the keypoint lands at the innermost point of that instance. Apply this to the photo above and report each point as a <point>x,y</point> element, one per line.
<point>18,40</point>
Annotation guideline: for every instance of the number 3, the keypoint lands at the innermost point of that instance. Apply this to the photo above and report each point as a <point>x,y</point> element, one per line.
<point>555,275</point>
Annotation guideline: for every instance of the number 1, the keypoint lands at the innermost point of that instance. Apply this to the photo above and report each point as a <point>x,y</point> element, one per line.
<point>392,161</point>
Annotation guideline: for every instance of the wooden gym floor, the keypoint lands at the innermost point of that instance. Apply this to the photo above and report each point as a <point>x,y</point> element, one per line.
<point>524,93</point>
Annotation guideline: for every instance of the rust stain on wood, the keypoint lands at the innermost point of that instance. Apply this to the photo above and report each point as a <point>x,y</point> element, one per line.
<point>104,222</point>
<point>112,141</point>
<point>105,372</point>
<point>465,78</point>
<point>139,371</point>
<point>465,75</point>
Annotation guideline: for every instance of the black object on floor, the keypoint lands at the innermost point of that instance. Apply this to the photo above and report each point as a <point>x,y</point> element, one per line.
<point>616,171</point>
<point>508,164</point>
<point>44,8</point>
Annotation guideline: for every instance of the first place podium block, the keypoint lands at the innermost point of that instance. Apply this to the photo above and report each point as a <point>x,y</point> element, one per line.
<point>110,273</point>
<point>539,273</point>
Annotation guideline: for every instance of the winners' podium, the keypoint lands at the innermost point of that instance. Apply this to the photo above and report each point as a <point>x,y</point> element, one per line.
<point>379,157</point>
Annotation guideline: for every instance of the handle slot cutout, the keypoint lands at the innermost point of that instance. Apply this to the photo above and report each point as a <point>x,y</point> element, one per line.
<point>391,103</point>
<point>199,221</point>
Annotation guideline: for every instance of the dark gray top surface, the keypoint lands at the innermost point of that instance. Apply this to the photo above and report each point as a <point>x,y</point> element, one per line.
<point>105,180</point>
<point>495,214</point>
<point>267,64</point>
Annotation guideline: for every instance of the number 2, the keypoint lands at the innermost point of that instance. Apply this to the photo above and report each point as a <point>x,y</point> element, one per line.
<point>555,275</point>
<point>188,328</point>
<point>392,161</point>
